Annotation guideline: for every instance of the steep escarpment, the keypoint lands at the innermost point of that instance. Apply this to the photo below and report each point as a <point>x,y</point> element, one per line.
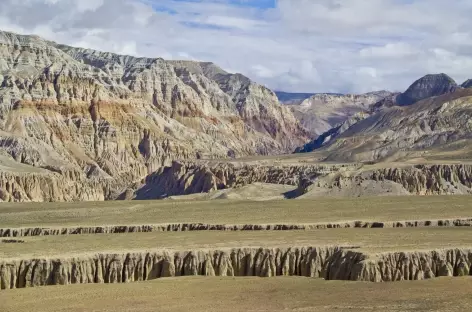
<point>50,186</point>
<point>107,116</point>
<point>330,263</point>
<point>139,266</point>
<point>200,177</point>
<point>182,227</point>
<point>415,180</point>
<point>184,178</point>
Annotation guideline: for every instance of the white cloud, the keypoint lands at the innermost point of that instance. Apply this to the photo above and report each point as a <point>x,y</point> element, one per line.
<point>298,45</point>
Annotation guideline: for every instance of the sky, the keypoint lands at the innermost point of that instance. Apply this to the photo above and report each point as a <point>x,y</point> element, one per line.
<point>341,46</point>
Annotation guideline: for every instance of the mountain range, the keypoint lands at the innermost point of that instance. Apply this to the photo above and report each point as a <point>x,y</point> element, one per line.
<point>95,116</point>
<point>433,113</point>
<point>80,124</point>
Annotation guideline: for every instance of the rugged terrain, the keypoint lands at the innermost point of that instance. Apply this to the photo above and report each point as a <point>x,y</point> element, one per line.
<point>321,112</point>
<point>84,125</point>
<point>96,121</point>
<point>357,254</point>
<point>432,115</point>
<point>399,241</point>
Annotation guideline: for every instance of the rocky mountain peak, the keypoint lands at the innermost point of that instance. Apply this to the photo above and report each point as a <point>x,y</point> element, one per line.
<point>467,84</point>
<point>425,87</point>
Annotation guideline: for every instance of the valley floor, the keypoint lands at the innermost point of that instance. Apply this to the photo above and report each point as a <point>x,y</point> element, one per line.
<point>246,294</point>
<point>238,255</point>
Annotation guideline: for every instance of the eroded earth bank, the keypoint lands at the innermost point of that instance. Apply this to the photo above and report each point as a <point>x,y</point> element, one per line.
<point>330,263</point>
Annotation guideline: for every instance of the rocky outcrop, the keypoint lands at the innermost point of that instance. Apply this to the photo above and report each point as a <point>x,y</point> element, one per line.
<point>48,187</point>
<point>430,179</point>
<point>107,116</point>
<point>330,263</point>
<point>184,178</point>
<point>405,180</point>
<point>404,266</point>
<point>467,84</point>
<point>426,87</point>
<point>182,227</point>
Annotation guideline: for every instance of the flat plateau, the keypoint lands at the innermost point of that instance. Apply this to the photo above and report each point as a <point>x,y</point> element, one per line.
<point>321,210</point>
<point>366,240</point>
<point>246,294</point>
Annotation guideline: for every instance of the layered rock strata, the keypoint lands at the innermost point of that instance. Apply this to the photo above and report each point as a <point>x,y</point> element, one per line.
<point>85,117</point>
<point>330,263</point>
<point>200,177</point>
<point>417,180</point>
<point>182,227</point>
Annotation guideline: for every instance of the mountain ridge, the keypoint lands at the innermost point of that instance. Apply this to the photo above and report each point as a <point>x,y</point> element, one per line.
<point>109,120</point>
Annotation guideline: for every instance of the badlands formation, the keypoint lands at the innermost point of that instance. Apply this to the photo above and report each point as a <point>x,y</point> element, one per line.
<point>84,125</point>
<point>237,184</point>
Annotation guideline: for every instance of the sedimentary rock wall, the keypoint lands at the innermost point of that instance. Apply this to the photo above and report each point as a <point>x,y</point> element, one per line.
<point>182,227</point>
<point>200,177</point>
<point>330,263</point>
<point>119,117</point>
<point>429,179</point>
<point>48,187</point>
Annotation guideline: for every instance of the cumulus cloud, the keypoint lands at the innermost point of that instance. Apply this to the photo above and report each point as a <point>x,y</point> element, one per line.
<point>291,45</point>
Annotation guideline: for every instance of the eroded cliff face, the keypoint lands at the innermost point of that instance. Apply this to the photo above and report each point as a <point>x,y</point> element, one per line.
<point>101,115</point>
<point>183,227</point>
<point>200,177</point>
<point>184,178</point>
<point>330,263</point>
<point>430,179</point>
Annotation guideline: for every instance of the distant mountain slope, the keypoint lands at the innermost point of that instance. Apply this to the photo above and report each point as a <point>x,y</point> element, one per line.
<point>423,88</point>
<point>321,112</point>
<point>439,123</point>
<point>467,84</point>
<point>99,120</point>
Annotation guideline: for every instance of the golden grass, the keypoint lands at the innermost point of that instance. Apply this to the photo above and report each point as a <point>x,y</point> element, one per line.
<point>320,210</point>
<point>245,294</point>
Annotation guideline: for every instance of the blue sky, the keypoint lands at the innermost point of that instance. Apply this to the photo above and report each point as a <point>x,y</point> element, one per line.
<point>335,46</point>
